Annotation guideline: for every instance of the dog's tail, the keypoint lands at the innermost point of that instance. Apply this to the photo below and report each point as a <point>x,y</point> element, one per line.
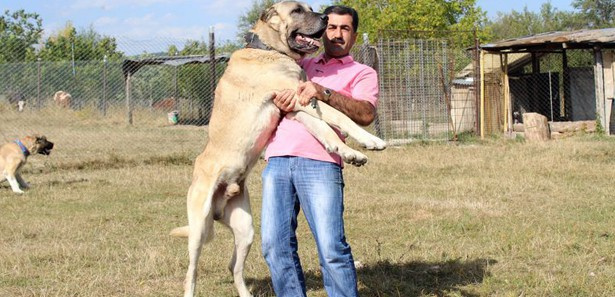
<point>180,232</point>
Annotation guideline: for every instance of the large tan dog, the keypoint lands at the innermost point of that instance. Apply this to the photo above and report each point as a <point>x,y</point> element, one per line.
<point>243,119</point>
<point>13,156</point>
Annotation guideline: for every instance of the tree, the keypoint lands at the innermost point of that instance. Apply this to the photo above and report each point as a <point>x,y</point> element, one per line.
<point>68,44</point>
<point>524,23</point>
<point>249,18</point>
<point>19,31</point>
<point>411,15</point>
<point>596,13</point>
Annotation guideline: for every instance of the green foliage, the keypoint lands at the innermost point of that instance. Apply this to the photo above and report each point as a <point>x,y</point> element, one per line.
<point>599,128</point>
<point>525,22</point>
<point>19,31</point>
<point>249,18</point>
<point>190,78</point>
<point>589,14</point>
<point>596,13</point>
<point>376,16</point>
<point>68,44</point>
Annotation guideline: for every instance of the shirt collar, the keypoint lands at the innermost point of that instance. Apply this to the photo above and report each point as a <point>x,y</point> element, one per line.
<point>343,60</point>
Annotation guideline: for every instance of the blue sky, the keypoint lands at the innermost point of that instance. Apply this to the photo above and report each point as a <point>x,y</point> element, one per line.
<point>135,22</point>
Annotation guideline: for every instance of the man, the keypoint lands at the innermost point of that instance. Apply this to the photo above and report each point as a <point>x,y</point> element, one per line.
<point>301,174</point>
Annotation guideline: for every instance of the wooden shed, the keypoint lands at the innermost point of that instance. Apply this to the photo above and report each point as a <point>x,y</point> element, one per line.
<point>566,76</point>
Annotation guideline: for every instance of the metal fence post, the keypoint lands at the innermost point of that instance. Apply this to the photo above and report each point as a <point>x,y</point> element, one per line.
<point>103,102</point>
<point>128,105</point>
<point>212,63</point>
<point>38,84</point>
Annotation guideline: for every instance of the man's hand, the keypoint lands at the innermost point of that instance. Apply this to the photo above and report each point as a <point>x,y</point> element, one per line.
<point>284,100</point>
<point>308,90</point>
<point>360,111</point>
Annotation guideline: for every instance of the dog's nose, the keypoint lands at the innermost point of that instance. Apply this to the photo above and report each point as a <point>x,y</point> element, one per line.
<point>324,17</point>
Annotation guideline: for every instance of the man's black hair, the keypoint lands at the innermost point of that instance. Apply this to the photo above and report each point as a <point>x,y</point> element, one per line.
<point>344,10</point>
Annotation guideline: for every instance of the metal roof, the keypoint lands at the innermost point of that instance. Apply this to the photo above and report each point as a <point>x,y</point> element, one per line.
<point>130,66</point>
<point>554,41</point>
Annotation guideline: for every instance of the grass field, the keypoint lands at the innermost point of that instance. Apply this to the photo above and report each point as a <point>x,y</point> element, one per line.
<point>481,218</point>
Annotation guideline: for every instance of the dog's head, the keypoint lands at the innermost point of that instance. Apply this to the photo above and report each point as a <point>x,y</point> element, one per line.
<point>38,144</point>
<point>292,28</point>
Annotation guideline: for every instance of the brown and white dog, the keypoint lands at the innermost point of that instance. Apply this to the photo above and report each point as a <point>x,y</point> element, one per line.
<point>62,99</point>
<point>13,156</point>
<point>244,118</point>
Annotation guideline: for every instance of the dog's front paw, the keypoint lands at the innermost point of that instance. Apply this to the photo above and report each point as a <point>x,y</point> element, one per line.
<point>375,144</point>
<point>18,191</point>
<point>353,157</point>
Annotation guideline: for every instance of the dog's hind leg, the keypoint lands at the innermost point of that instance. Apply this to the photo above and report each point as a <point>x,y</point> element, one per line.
<point>200,221</point>
<point>14,183</point>
<point>238,217</point>
<point>21,181</point>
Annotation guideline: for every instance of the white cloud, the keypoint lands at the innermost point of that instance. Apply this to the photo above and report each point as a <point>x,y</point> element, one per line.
<point>112,4</point>
<point>105,21</point>
<point>148,20</point>
<point>229,7</point>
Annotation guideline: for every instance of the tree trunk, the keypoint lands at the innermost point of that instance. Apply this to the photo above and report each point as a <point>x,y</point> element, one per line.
<point>536,127</point>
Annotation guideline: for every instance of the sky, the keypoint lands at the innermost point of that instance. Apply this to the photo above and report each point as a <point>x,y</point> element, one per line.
<point>139,25</point>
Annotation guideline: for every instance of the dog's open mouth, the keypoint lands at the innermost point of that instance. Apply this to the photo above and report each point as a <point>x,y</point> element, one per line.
<point>305,43</point>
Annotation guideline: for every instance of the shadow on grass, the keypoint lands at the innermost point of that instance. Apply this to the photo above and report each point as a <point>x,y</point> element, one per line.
<point>403,279</point>
<point>193,122</point>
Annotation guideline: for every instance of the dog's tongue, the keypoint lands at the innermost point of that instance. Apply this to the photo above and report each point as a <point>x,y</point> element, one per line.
<point>307,40</point>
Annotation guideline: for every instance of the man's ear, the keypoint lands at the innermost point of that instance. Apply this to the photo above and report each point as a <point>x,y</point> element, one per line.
<point>354,37</point>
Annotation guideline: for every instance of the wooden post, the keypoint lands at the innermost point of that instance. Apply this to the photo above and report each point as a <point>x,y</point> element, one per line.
<point>566,81</point>
<point>508,119</point>
<point>536,127</point>
<point>609,91</point>
<point>599,79</point>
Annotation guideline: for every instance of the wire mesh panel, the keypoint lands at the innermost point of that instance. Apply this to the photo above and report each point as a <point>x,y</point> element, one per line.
<point>91,110</point>
<point>419,91</point>
<point>92,106</point>
<point>180,87</point>
<point>558,85</point>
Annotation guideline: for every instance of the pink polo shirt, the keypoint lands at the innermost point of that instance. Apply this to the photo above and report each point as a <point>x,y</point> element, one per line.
<point>342,75</point>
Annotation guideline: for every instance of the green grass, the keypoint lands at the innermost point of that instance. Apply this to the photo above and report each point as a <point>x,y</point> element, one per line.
<point>478,218</point>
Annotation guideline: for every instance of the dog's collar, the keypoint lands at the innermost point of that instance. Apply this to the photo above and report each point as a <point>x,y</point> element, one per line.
<point>23,148</point>
<point>252,41</point>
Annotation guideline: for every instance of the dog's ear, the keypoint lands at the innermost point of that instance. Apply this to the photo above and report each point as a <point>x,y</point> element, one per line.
<point>267,14</point>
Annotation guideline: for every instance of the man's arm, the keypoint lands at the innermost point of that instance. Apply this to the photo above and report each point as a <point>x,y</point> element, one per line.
<point>361,112</point>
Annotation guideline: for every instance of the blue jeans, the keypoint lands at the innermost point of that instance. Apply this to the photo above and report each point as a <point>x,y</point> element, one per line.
<point>316,187</point>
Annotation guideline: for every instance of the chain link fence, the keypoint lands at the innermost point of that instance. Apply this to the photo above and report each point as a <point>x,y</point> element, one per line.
<point>427,86</point>
<point>558,85</point>
<point>109,106</point>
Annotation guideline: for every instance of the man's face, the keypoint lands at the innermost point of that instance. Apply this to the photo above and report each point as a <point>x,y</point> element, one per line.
<point>339,36</point>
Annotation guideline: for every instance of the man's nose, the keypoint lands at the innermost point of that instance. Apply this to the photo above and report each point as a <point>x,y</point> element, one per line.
<point>337,32</point>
